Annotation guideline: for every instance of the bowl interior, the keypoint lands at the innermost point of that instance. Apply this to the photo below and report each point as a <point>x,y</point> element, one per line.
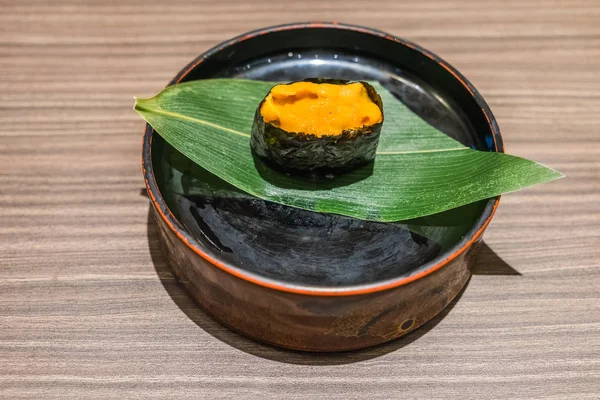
<point>303,248</point>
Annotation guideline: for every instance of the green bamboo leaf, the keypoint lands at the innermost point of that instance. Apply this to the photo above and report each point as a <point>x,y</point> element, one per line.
<point>418,170</point>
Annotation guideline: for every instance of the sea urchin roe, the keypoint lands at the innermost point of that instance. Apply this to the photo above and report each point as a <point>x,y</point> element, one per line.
<point>320,109</point>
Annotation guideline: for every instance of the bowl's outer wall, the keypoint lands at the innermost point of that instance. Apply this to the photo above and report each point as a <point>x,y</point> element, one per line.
<point>314,322</point>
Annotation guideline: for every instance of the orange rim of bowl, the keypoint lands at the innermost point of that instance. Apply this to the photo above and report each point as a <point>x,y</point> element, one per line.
<point>167,216</point>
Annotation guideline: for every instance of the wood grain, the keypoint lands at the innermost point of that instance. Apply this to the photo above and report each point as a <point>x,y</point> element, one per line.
<point>88,309</point>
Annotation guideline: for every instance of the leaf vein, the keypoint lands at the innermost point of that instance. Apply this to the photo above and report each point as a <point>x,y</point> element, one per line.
<point>161,111</point>
<point>421,151</point>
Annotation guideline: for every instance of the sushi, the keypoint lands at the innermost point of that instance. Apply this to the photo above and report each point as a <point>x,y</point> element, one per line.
<point>318,126</point>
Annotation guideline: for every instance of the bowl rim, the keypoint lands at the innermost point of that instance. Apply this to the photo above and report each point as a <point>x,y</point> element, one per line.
<point>428,268</point>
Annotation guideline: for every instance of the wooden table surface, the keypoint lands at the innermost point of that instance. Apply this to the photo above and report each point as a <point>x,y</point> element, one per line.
<point>88,307</point>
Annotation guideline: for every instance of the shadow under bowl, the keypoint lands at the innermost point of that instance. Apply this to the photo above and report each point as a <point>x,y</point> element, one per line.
<point>312,281</point>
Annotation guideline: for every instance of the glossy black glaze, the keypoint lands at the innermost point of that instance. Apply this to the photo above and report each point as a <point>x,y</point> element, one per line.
<point>300,247</point>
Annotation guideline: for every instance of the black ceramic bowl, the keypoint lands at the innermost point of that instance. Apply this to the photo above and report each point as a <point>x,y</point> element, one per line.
<point>312,281</point>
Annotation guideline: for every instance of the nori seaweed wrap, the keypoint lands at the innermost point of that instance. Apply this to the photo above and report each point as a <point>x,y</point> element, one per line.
<point>318,126</point>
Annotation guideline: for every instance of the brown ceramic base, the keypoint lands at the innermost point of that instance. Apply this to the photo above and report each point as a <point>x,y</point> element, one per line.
<point>314,323</point>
